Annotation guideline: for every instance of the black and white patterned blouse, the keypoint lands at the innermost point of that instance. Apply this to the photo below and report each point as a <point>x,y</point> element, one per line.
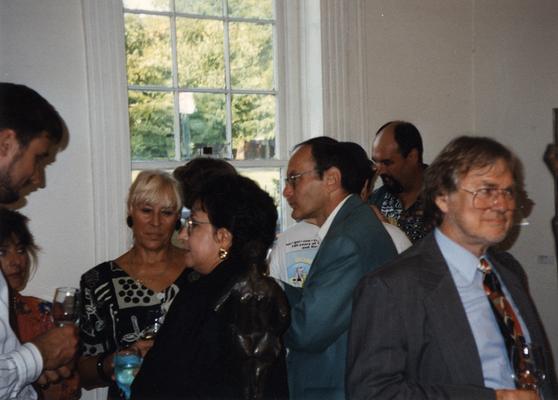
<point>116,309</point>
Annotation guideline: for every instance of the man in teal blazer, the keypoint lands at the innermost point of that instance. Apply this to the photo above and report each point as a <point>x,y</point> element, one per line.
<point>323,184</point>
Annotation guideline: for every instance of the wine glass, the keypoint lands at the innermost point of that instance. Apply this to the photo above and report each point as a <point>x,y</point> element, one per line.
<point>155,318</point>
<point>528,366</point>
<point>127,362</point>
<point>65,307</point>
<point>151,331</point>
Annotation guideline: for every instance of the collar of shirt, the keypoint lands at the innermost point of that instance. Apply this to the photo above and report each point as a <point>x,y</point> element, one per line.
<point>327,224</point>
<point>462,263</point>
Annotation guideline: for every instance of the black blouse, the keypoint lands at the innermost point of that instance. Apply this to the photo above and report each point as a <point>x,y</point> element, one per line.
<point>196,354</point>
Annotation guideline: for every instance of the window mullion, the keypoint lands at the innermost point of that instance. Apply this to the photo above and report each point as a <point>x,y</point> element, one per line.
<point>228,103</point>
<point>176,113</point>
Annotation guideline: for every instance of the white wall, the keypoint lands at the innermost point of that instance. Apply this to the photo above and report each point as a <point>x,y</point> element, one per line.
<point>42,46</point>
<point>481,67</point>
<point>515,90</point>
<point>450,66</point>
<point>418,56</point>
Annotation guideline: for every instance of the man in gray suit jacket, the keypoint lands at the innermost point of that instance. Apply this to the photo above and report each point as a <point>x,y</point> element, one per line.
<point>323,183</point>
<point>423,326</point>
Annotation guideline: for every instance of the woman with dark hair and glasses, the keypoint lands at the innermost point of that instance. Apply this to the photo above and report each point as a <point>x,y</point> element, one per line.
<point>222,335</point>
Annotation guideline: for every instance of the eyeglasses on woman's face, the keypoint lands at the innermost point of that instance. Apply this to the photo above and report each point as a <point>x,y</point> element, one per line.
<point>191,224</point>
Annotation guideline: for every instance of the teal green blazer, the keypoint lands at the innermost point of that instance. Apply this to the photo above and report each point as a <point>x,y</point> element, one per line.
<point>355,244</point>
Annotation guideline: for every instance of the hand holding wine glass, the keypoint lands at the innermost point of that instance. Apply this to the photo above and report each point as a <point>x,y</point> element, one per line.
<point>65,307</point>
<point>528,366</point>
<point>127,362</point>
<point>155,322</point>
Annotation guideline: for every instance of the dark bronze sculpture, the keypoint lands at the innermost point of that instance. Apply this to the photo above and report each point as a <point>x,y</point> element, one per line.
<point>551,159</point>
<point>257,313</point>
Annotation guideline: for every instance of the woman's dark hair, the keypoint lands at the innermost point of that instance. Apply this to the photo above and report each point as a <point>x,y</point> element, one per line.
<point>13,227</point>
<point>238,204</point>
<point>195,172</point>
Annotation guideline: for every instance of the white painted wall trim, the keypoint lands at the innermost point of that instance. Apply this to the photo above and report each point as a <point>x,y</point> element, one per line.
<point>345,103</point>
<point>300,72</point>
<point>299,69</point>
<point>108,124</point>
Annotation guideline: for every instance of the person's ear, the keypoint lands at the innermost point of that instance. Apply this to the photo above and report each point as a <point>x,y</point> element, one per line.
<point>224,237</point>
<point>8,141</point>
<point>413,156</point>
<point>332,178</point>
<point>442,201</point>
<point>366,190</point>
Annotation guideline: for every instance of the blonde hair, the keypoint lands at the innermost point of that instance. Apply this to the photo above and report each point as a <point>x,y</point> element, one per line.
<point>157,187</point>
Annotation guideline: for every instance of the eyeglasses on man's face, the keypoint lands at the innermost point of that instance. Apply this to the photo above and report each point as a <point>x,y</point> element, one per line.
<point>485,198</point>
<point>293,178</point>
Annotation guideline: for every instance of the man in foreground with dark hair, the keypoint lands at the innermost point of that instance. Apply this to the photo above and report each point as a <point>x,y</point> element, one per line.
<point>451,318</point>
<point>397,154</point>
<point>323,184</point>
<point>30,128</point>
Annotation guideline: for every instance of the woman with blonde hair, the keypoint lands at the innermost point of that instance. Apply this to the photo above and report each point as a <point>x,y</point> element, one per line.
<point>123,299</point>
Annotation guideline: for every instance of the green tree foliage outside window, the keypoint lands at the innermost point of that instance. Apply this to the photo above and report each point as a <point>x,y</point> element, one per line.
<point>183,86</point>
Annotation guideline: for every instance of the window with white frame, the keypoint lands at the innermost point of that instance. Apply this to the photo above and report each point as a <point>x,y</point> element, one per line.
<point>202,81</point>
<point>298,79</point>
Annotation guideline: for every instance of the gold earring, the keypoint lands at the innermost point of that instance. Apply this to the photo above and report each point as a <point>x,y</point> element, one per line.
<point>223,254</point>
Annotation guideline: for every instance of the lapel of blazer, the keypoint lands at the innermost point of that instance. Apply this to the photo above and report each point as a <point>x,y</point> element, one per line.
<point>519,295</point>
<point>504,264</point>
<point>351,203</point>
<point>447,316</point>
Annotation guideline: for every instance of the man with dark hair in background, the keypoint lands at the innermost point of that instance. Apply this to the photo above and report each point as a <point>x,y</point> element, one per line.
<point>452,318</point>
<point>30,129</point>
<point>323,184</point>
<point>397,154</point>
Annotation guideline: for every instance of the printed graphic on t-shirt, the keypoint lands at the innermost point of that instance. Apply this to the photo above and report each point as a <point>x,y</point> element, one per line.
<point>299,259</point>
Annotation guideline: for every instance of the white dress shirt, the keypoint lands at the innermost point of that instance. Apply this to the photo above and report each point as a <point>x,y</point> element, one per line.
<point>20,364</point>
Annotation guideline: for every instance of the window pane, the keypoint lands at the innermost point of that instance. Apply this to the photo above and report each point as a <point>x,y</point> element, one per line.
<point>251,8</point>
<point>253,126</point>
<point>202,123</point>
<point>200,53</point>
<point>148,50</point>
<point>269,180</point>
<point>203,7</point>
<point>251,47</point>
<point>150,5</point>
<point>151,125</point>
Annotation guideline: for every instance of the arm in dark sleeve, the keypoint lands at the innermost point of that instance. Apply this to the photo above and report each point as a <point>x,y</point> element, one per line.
<point>378,357</point>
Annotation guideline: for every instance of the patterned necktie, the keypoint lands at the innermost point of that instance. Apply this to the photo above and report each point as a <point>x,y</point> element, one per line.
<point>505,316</point>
